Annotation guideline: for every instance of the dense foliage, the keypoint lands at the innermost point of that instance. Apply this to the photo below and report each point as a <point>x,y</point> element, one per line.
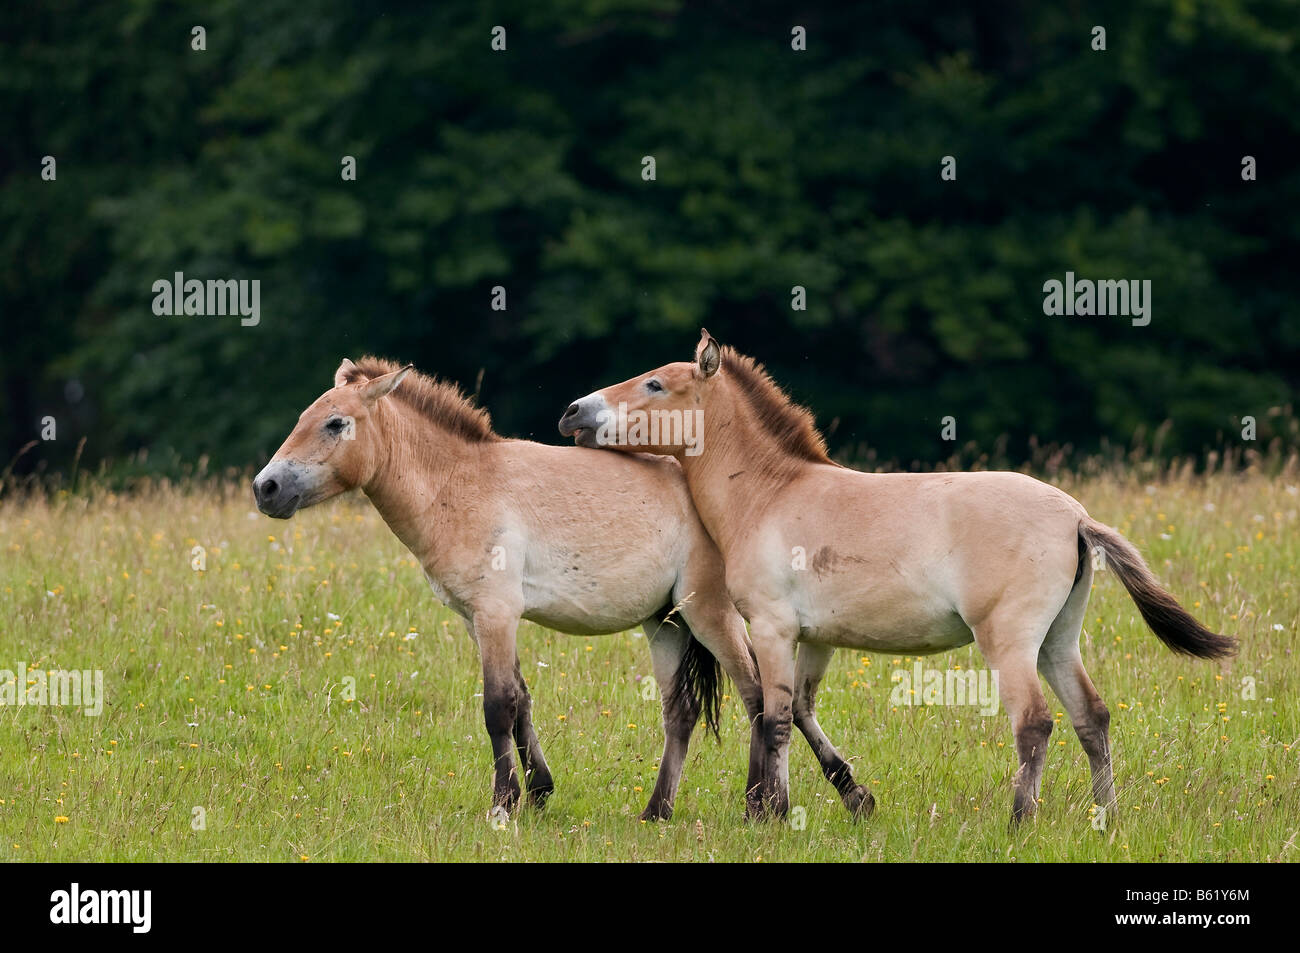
<point>523,169</point>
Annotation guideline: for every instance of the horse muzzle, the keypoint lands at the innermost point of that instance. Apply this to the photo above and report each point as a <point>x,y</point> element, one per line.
<point>279,489</point>
<point>583,418</point>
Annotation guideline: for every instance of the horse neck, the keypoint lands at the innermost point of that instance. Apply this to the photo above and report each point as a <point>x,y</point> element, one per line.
<point>741,468</point>
<point>417,462</point>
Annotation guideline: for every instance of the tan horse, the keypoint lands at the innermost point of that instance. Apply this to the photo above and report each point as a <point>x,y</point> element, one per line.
<point>899,563</point>
<point>583,542</point>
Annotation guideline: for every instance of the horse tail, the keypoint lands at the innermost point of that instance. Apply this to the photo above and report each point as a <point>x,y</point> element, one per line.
<point>1172,624</point>
<point>697,685</point>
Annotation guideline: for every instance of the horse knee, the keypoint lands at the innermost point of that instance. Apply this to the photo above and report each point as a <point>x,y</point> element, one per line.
<point>753,702</point>
<point>501,710</point>
<point>1032,734</point>
<point>777,730</point>
<point>1094,734</point>
<point>1101,718</point>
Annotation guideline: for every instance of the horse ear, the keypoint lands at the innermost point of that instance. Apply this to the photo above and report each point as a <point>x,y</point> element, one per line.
<point>384,385</point>
<point>341,375</point>
<point>708,354</point>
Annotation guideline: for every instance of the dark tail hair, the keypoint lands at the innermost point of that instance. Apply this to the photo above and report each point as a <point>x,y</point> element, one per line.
<point>1172,624</point>
<point>697,686</point>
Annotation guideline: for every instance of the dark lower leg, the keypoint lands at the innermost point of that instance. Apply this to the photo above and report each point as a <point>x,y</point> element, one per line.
<point>500,710</point>
<point>810,666</point>
<point>537,776</point>
<point>1094,735</point>
<point>678,727</point>
<point>668,645</point>
<point>1031,734</point>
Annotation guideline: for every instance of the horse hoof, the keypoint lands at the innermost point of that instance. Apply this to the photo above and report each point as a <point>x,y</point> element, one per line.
<point>860,803</point>
<point>505,799</point>
<point>537,796</point>
<point>657,812</point>
<point>778,809</point>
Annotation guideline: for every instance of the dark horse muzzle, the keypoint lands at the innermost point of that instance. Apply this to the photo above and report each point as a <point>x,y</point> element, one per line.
<point>279,489</point>
<point>583,418</point>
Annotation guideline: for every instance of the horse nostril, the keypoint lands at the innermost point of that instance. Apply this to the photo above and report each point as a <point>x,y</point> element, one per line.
<point>573,409</point>
<point>269,488</point>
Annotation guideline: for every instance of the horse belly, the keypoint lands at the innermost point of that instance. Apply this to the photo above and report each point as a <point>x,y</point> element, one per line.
<point>936,635</point>
<point>583,598</point>
<point>882,618</point>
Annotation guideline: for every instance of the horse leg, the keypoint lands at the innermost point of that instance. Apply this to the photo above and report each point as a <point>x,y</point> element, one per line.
<point>714,621</point>
<point>537,776</point>
<point>495,635</point>
<point>774,647</point>
<point>810,666</point>
<point>1062,665</point>
<point>1022,695</point>
<point>668,643</point>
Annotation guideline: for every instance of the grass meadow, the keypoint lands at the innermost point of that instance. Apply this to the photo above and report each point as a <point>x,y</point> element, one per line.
<point>227,732</point>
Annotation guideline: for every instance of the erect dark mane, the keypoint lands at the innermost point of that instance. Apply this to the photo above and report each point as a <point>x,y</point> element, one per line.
<point>792,426</point>
<point>439,401</point>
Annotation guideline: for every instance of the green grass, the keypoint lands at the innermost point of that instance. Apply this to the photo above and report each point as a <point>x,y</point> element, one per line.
<point>225,691</point>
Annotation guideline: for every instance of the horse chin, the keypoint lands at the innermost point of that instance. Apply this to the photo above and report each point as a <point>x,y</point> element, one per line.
<point>293,505</point>
<point>586,437</point>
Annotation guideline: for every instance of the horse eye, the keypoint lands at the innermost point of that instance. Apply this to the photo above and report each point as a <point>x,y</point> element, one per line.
<point>335,424</point>
<point>654,386</point>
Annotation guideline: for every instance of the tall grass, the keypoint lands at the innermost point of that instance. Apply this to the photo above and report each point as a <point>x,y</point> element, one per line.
<point>227,692</point>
